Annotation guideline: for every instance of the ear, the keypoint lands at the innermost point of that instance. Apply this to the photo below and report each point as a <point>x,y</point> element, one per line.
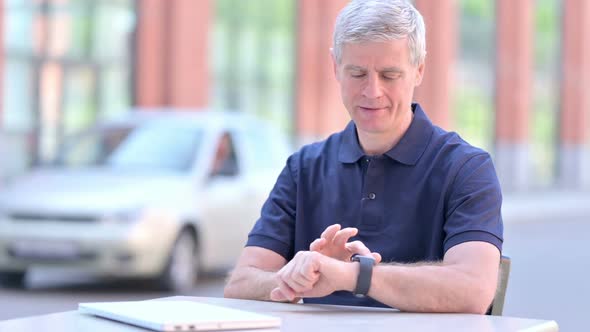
<point>419,74</point>
<point>334,65</point>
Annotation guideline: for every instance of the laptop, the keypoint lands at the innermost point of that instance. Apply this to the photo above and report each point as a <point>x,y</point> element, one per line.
<point>179,315</point>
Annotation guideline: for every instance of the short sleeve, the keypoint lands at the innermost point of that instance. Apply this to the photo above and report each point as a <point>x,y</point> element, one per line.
<point>276,226</point>
<point>474,205</point>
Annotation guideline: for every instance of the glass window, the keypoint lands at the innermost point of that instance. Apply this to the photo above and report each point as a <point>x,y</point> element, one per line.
<point>225,161</point>
<point>265,147</point>
<point>148,147</point>
<point>473,100</point>
<point>253,58</point>
<point>157,147</point>
<point>545,103</point>
<point>114,27</point>
<point>18,23</point>
<point>91,148</point>
<point>19,95</point>
<point>87,45</point>
<point>114,91</point>
<point>79,107</point>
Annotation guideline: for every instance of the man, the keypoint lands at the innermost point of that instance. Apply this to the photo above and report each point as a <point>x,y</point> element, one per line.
<point>423,200</point>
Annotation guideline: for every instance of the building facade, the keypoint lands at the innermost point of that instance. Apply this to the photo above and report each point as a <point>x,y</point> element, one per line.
<point>69,63</point>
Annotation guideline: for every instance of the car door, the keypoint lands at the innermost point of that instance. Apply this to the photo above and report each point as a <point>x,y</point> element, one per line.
<point>227,205</point>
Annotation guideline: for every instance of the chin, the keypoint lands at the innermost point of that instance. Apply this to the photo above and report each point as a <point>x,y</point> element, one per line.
<point>373,128</point>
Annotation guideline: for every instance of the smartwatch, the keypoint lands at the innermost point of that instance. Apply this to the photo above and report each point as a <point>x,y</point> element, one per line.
<point>363,281</point>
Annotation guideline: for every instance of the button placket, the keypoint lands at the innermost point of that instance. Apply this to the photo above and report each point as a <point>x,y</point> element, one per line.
<point>371,210</point>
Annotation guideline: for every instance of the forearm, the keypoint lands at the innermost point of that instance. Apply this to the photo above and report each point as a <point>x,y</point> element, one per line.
<point>430,288</point>
<point>247,282</point>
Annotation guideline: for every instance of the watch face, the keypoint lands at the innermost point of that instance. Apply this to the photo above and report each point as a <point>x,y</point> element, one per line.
<point>358,258</point>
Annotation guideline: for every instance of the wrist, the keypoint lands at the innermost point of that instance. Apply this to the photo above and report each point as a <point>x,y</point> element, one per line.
<point>351,276</point>
<point>342,273</point>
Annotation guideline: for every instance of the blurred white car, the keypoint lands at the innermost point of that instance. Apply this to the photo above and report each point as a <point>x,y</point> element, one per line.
<point>156,194</point>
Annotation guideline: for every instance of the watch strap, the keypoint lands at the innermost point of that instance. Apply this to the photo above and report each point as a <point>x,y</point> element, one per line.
<point>363,282</point>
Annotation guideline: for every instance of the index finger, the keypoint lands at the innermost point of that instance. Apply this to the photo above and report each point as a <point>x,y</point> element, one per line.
<point>330,231</point>
<point>343,235</point>
<point>317,244</point>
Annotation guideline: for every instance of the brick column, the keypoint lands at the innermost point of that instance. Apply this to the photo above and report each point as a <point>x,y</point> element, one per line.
<point>514,71</point>
<point>319,108</point>
<point>172,53</point>
<point>149,53</point>
<point>574,147</point>
<point>188,64</point>
<point>434,94</point>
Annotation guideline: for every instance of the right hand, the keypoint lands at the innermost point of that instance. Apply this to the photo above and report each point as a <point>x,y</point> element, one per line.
<point>311,274</point>
<point>334,243</point>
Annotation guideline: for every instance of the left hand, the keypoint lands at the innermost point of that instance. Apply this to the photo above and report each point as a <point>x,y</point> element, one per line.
<point>334,243</point>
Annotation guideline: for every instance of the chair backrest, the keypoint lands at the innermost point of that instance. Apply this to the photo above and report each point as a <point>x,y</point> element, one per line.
<point>498,304</point>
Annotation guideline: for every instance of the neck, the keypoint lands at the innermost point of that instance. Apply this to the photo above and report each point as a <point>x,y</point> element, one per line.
<point>378,143</point>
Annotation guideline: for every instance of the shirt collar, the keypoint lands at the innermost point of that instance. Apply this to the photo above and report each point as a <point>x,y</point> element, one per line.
<point>350,149</point>
<point>415,141</point>
<point>407,151</point>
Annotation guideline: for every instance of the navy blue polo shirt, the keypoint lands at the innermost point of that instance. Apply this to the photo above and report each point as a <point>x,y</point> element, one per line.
<point>431,191</point>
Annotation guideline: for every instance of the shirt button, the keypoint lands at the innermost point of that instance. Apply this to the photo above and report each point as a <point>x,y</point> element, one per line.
<point>372,196</point>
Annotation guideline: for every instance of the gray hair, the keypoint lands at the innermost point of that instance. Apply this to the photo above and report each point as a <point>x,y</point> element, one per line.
<point>381,20</point>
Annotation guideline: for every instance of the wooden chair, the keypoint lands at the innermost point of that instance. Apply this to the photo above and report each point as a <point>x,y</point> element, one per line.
<point>498,304</point>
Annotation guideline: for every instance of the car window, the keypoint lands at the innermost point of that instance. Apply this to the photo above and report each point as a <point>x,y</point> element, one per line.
<point>225,161</point>
<point>91,148</point>
<point>162,146</point>
<point>265,148</point>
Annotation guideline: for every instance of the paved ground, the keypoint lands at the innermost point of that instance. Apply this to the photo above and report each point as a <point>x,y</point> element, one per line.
<point>54,291</point>
<point>550,271</point>
<point>549,279</point>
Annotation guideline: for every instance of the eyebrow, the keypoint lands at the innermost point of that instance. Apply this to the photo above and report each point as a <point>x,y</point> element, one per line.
<point>353,67</point>
<point>392,70</point>
<point>384,70</point>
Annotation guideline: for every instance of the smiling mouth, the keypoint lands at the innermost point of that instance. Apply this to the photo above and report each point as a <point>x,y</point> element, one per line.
<point>370,108</point>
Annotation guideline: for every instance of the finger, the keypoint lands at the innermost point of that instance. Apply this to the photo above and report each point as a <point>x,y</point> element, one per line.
<point>342,236</point>
<point>376,257</point>
<point>304,292</point>
<point>277,295</point>
<point>330,231</point>
<point>298,274</point>
<point>357,247</point>
<point>317,244</point>
<point>304,274</point>
<point>298,282</point>
<point>297,286</point>
<point>287,292</point>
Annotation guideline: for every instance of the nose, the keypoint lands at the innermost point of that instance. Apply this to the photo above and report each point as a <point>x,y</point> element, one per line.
<point>372,88</point>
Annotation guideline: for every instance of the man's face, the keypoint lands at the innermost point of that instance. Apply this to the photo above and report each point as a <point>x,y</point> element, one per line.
<point>377,83</point>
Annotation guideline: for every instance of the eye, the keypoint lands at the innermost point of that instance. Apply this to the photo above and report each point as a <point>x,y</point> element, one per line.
<point>391,76</point>
<point>357,74</point>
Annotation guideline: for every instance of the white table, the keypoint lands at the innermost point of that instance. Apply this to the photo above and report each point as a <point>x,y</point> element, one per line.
<point>302,317</point>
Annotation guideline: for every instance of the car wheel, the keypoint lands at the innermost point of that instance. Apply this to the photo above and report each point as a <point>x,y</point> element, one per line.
<point>181,270</point>
<point>13,279</point>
